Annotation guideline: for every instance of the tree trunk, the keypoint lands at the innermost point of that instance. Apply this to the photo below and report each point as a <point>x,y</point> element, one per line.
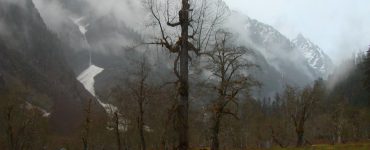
<point>9,130</point>
<point>86,136</point>
<point>300,137</point>
<point>118,137</point>
<point>339,140</point>
<point>275,139</point>
<point>141,126</point>
<point>215,144</point>
<point>339,133</point>
<point>183,89</point>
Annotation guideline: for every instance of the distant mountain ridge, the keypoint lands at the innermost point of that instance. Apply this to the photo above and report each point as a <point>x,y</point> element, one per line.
<point>296,62</point>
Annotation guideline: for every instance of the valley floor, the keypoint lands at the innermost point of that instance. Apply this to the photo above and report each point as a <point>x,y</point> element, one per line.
<point>350,146</point>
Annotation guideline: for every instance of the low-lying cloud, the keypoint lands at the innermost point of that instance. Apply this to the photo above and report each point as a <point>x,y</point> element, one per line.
<point>339,27</point>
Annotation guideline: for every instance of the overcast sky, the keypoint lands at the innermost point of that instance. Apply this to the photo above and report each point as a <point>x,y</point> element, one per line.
<point>339,27</point>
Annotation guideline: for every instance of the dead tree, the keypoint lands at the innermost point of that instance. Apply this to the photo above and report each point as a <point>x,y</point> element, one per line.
<point>10,130</point>
<point>192,26</point>
<point>141,92</point>
<point>86,127</point>
<point>227,63</point>
<point>300,106</point>
<point>118,120</point>
<point>116,129</point>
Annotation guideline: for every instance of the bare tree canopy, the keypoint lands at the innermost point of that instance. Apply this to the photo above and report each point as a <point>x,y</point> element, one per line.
<point>191,33</point>
<point>300,106</point>
<point>229,67</point>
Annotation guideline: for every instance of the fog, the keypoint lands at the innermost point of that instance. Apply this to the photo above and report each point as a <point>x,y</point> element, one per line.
<point>339,27</point>
<point>113,26</point>
<point>129,11</point>
<point>54,12</point>
<point>276,53</point>
<point>3,30</point>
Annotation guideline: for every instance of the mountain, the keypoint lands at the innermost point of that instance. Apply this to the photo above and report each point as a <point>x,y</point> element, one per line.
<point>314,55</point>
<point>32,55</point>
<point>280,59</point>
<point>110,39</point>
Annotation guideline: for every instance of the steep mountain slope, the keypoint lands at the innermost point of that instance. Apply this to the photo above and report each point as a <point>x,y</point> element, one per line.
<point>286,61</point>
<point>314,55</point>
<point>32,55</point>
<point>99,39</point>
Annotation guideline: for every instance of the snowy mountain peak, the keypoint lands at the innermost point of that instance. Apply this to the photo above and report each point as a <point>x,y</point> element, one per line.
<point>315,56</point>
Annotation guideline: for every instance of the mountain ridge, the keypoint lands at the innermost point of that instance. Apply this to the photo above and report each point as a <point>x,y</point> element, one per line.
<point>315,56</point>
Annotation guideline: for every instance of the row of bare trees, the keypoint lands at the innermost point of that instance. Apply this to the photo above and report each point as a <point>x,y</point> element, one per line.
<point>297,116</point>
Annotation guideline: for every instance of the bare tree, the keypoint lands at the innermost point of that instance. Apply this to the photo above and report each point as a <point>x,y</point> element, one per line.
<point>116,129</point>
<point>339,119</point>
<point>141,92</point>
<point>86,127</point>
<point>22,124</point>
<point>189,19</point>
<point>300,106</point>
<point>227,63</point>
<point>117,121</point>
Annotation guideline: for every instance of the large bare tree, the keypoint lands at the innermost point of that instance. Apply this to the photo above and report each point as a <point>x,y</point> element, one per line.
<point>192,31</point>
<point>228,65</point>
<point>300,105</point>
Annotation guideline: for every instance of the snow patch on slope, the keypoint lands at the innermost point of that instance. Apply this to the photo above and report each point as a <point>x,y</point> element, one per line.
<point>87,78</point>
<point>45,113</point>
<point>315,56</point>
<point>82,27</point>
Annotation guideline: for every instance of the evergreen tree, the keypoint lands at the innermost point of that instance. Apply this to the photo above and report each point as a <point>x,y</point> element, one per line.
<point>367,70</point>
